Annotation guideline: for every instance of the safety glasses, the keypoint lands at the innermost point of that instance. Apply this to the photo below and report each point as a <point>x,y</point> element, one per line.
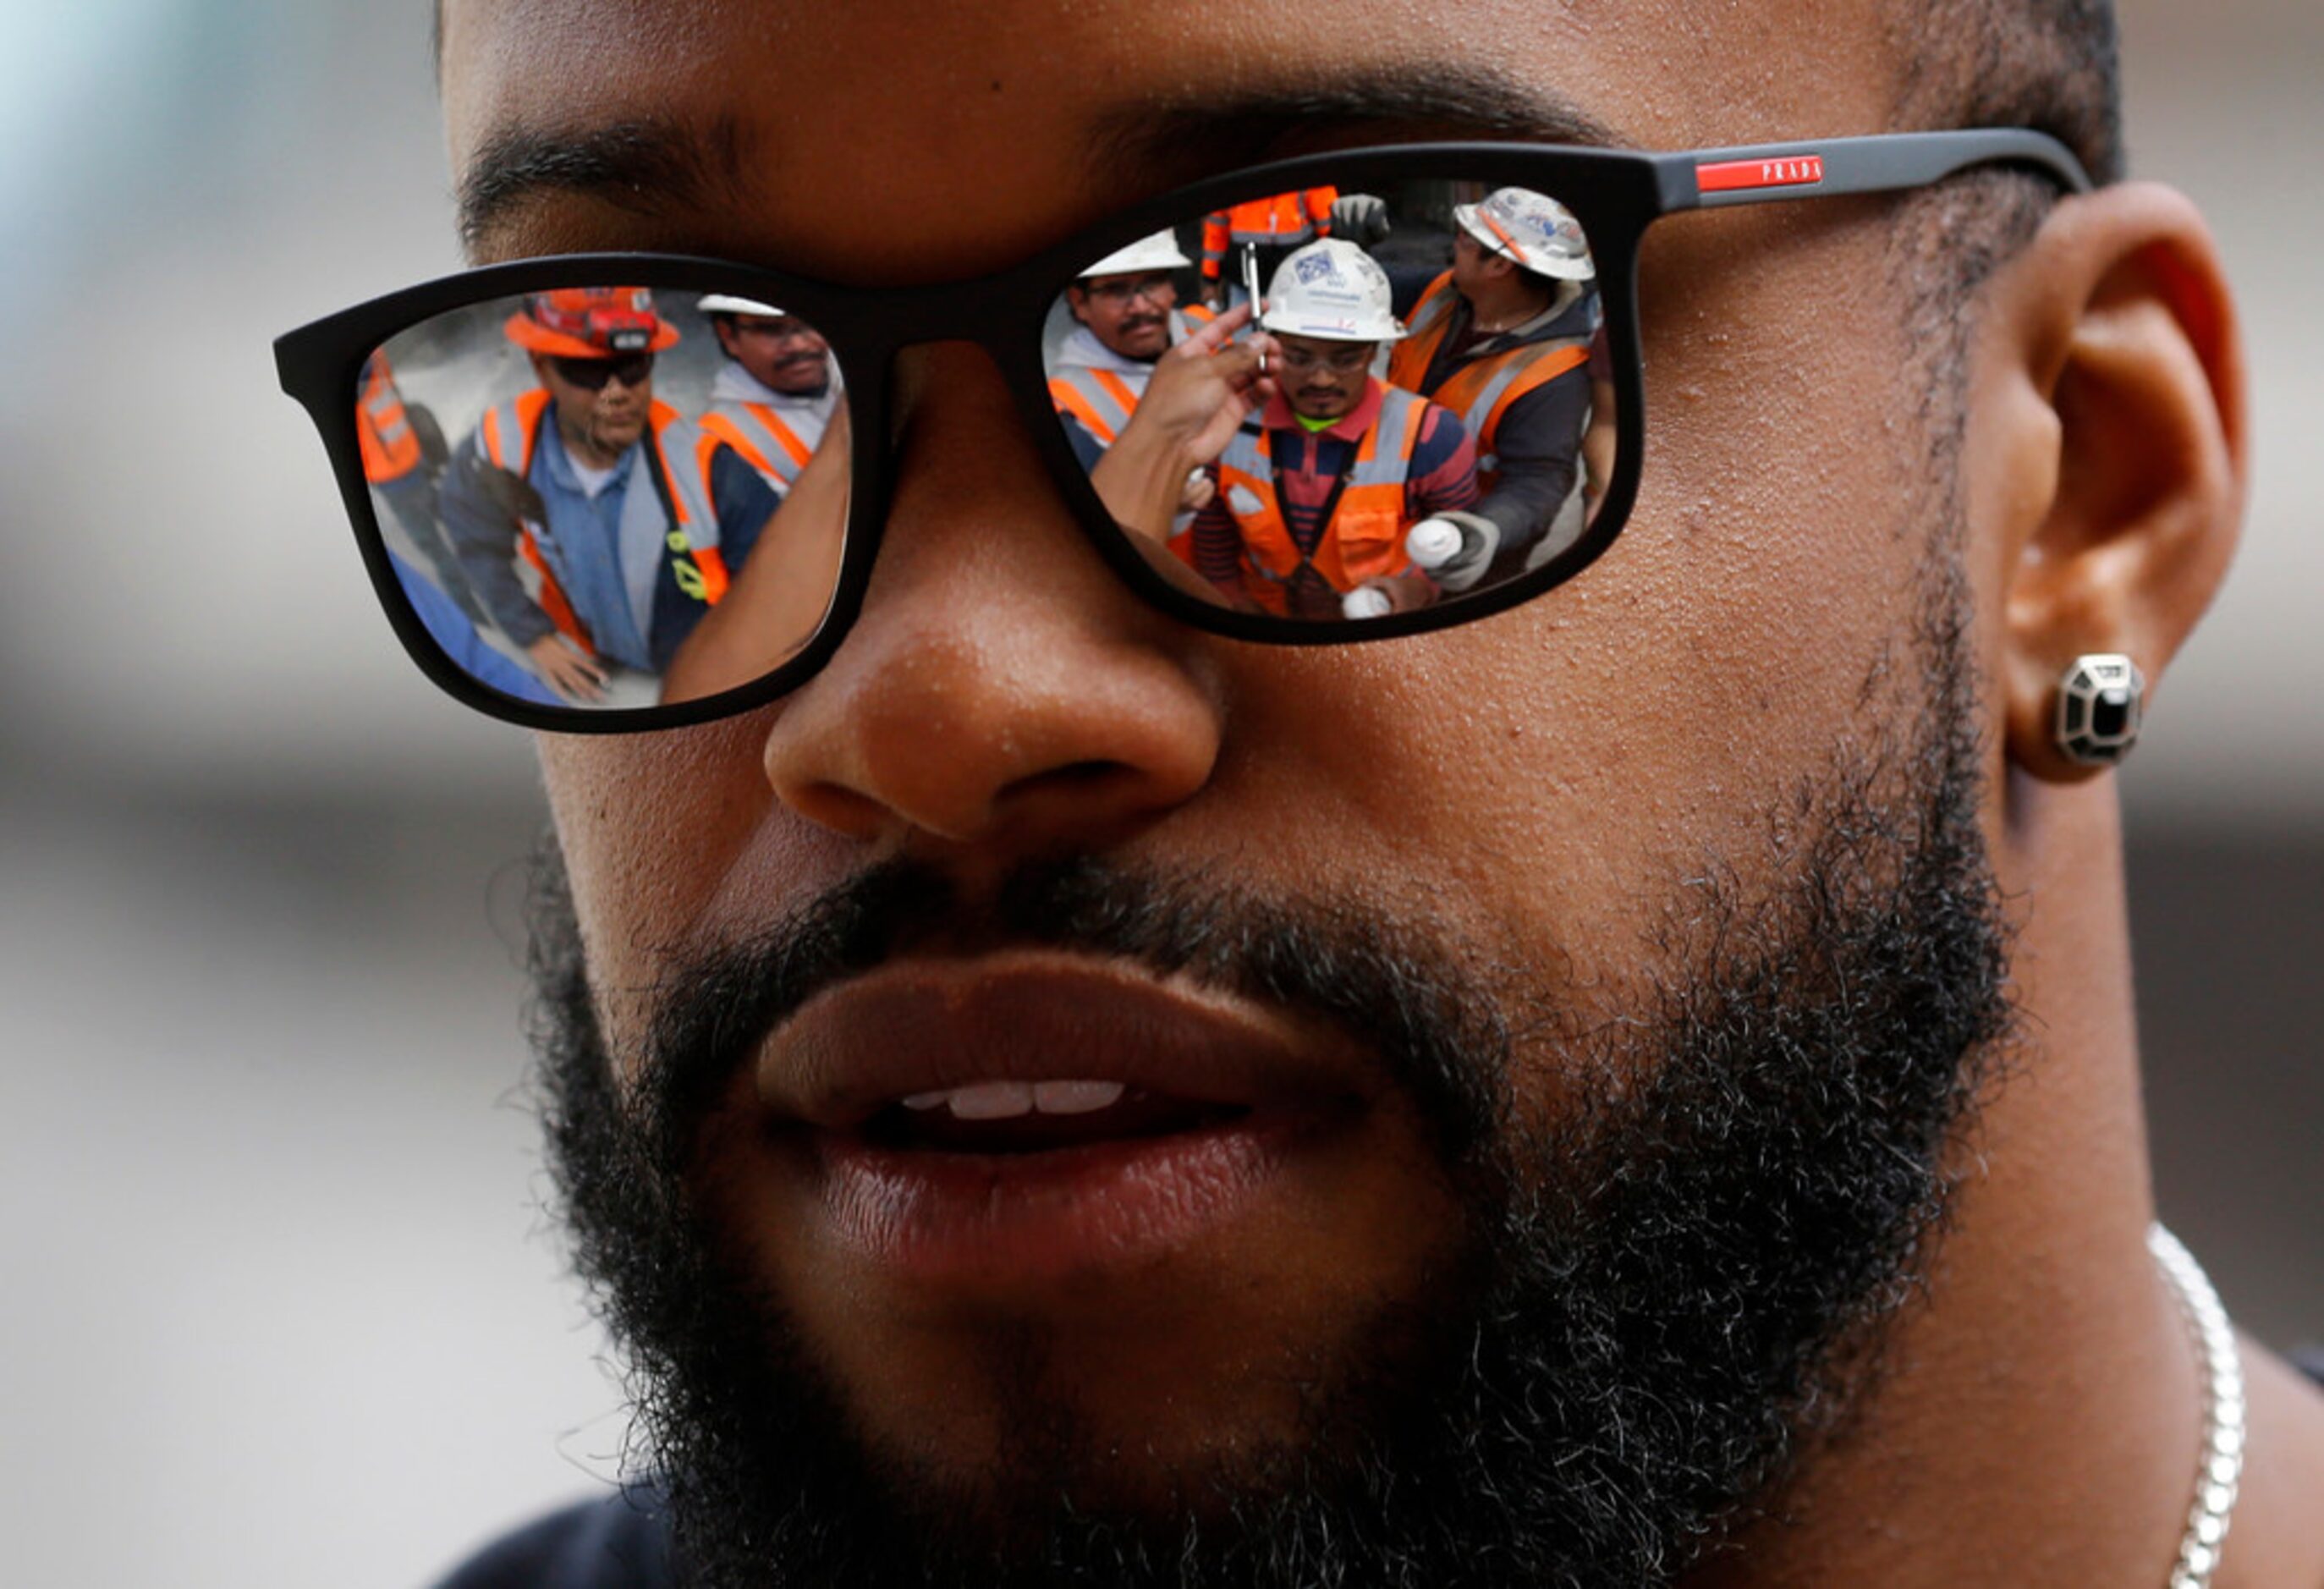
<point>594,375</point>
<point>564,561</point>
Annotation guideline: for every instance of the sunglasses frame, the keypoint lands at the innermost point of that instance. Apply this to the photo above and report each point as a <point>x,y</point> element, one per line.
<point>1615,194</point>
<point>566,361</point>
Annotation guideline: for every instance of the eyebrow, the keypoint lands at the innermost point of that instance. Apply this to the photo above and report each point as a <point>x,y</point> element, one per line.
<point>1237,128</point>
<point>648,166</point>
<point>656,166</point>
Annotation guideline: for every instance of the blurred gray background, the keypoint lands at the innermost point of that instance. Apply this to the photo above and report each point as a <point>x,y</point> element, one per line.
<point>280,1307</point>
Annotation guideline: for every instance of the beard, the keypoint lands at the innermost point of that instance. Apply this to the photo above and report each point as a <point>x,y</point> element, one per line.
<point>1659,1298</point>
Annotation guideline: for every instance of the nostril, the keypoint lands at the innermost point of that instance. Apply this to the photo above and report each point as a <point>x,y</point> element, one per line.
<point>1079,794</point>
<point>1081,780</point>
<point>839,808</point>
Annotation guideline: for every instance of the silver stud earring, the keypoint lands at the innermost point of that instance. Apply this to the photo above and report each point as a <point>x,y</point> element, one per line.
<point>2098,707</point>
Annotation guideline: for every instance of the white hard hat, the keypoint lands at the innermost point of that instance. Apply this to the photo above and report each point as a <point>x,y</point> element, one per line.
<point>1536,231</point>
<point>1332,291</point>
<point>724,304</point>
<point>1158,253</point>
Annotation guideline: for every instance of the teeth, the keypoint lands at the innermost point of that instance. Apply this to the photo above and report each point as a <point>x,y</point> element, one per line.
<point>1077,1098</point>
<point>992,1100</point>
<point>1007,1100</point>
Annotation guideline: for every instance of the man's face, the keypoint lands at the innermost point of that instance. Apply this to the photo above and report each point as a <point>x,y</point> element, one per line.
<point>1131,314</point>
<point>1324,380</point>
<point>601,403</point>
<point>784,354</point>
<point>1455,878</point>
<point>1474,267</point>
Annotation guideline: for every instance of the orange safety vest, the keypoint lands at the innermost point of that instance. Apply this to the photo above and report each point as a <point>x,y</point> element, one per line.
<point>1484,389</point>
<point>382,429</point>
<point>760,437</point>
<point>1100,399</point>
<point>692,541</point>
<point>1365,538</point>
<point>1285,220</point>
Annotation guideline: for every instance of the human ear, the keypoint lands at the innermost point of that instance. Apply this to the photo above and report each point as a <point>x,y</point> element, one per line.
<point>2115,412</point>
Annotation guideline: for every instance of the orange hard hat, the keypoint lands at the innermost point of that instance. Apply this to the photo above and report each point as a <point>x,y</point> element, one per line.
<point>590,322</point>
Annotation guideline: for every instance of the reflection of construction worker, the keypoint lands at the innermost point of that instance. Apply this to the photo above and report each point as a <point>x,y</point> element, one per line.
<point>1316,495</point>
<point>403,454</point>
<point>1503,339</point>
<point>1269,227</point>
<point>384,432</point>
<point>1126,315</point>
<point>597,539</point>
<point>773,397</point>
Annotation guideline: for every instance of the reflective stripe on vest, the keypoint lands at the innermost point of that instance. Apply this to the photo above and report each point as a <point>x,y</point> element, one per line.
<point>1424,328</point>
<point>382,429</point>
<point>1365,538</point>
<point>1100,399</point>
<point>512,429</point>
<point>1484,390</point>
<point>764,439</point>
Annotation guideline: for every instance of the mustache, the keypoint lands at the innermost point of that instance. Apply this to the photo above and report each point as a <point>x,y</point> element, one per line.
<point>1411,1001</point>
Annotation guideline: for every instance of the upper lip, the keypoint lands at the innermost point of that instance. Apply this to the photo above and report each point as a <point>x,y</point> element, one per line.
<point>923,1026</point>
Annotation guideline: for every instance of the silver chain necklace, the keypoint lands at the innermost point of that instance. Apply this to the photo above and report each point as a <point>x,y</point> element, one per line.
<point>2219,1471</point>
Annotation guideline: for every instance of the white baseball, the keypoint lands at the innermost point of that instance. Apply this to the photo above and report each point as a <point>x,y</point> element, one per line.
<point>1366,601</point>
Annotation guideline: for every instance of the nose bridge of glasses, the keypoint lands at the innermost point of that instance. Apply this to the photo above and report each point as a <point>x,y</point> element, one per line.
<point>962,392</point>
<point>886,322</point>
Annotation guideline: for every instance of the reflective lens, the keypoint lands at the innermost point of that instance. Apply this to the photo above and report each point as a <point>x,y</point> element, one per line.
<point>610,498</point>
<point>1418,408</point>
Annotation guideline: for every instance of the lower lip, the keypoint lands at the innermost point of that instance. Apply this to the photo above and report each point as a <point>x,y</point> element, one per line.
<point>997,1221</point>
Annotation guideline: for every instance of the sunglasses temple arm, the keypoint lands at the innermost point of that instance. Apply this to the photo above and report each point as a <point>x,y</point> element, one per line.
<point>1768,173</point>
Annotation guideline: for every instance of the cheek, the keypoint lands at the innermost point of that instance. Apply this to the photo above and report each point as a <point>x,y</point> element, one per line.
<point>659,832</point>
<point>1783,516</point>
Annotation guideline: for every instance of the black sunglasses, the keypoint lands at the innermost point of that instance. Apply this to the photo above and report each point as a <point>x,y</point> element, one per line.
<point>766,535</point>
<point>594,375</point>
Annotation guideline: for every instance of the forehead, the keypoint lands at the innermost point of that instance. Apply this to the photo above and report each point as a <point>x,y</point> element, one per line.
<point>886,141</point>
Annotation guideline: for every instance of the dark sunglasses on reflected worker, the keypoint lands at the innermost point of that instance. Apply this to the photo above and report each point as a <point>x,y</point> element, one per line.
<point>594,375</point>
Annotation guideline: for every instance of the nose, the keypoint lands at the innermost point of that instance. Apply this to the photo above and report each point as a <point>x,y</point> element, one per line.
<point>1003,690</point>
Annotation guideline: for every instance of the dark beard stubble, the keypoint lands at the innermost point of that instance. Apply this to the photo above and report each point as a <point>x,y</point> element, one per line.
<point>1659,1298</point>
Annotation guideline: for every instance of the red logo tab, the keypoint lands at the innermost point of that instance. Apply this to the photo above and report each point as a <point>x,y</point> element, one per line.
<point>1738,176</point>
